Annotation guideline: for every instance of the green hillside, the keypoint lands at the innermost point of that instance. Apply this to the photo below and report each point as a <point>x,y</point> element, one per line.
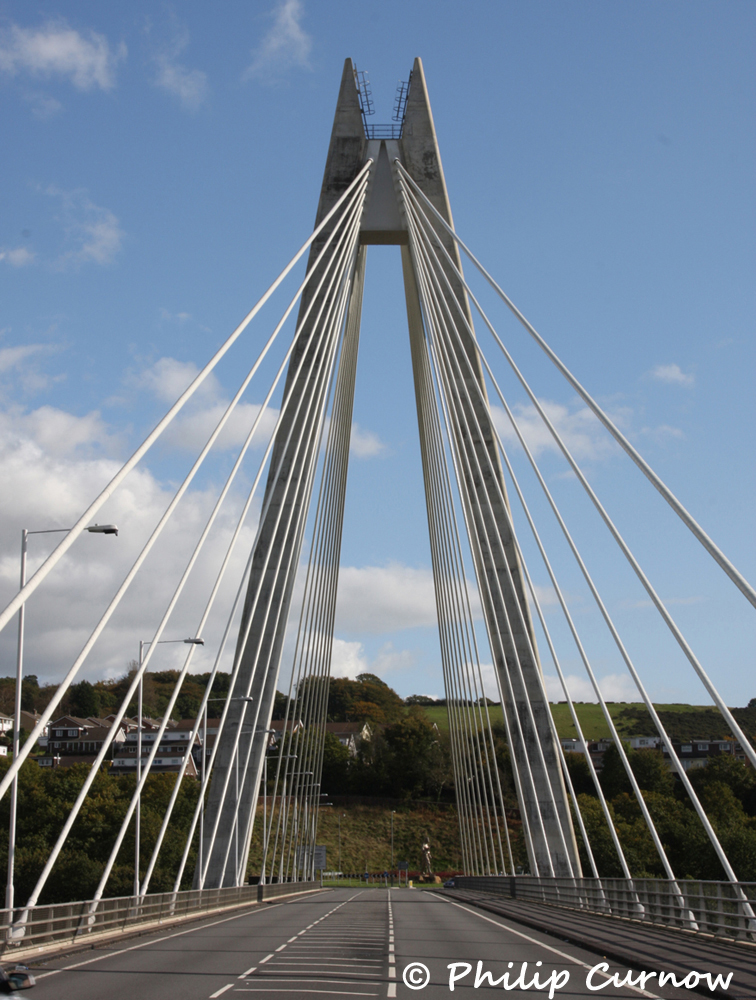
<point>683,722</point>
<point>366,835</point>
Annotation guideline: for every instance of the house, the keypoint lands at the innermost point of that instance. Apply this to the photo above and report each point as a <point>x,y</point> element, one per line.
<point>697,753</point>
<point>29,720</point>
<point>173,747</point>
<point>277,725</point>
<point>6,723</point>
<point>71,736</point>
<point>350,734</point>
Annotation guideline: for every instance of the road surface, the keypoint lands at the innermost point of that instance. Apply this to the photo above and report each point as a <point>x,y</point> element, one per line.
<point>339,943</point>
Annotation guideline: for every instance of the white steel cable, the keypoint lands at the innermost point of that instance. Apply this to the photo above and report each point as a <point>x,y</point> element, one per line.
<point>620,748</point>
<point>242,645</point>
<point>355,214</point>
<point>517,778</point>
<point>694,799</point>
<point>148,764</point>
<point>483,584</point>
<point>143,666</point>
<point>235,671</point>
<point>682,642</point>
<point>90,778</point>
<point>289,702</point>
<point>448,542</point>
<point>208,774</point>
<point>355,304</point>
<point>212,598</point>
<point>34,581</point>
<point>329,549</point>
<point>548,637</point>
<point>68,679</point>
<point>312,603</point>
<point>458,730</point>
<point>299,789</point>
<point>716,553</point>
<point>462,417</point>
<point>615,635</point>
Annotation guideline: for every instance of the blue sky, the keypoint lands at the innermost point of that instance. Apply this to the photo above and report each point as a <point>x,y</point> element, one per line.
<point>162,162</point>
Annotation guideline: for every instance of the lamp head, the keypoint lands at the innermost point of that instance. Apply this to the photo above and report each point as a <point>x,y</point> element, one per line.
<point>103,529</point>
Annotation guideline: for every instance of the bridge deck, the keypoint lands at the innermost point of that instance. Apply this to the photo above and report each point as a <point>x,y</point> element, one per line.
<point>629,942</point>
<point>345,942</point>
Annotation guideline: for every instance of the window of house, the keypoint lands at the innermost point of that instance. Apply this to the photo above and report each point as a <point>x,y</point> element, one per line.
<point>73,732</point>
<point>703,746</point>
<point>686,748</point>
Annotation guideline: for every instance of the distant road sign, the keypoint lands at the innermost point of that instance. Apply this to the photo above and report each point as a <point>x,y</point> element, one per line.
<point>318,857</point>
<point>403,866</point>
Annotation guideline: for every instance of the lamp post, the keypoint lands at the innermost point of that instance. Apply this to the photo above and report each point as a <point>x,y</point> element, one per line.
<point>95,529</point>
<point>140,706</point>
<point>342,816</point>
<point>393,811</point>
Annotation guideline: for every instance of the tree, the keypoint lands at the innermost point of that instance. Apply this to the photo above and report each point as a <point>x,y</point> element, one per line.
<point>29,692</point>
<point>83,700</point>
<point>336,760</point>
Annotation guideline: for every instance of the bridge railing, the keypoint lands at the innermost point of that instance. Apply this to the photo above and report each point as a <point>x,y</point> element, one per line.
<point>722,909</point>
<point>40,928</point>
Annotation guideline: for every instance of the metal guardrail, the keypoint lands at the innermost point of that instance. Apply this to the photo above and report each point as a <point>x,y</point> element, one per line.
<point>383,131</point>
<point>722,909</point>
<point>66,924</point>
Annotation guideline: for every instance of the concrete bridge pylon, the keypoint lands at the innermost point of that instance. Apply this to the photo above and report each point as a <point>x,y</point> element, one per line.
<point>229,812</point>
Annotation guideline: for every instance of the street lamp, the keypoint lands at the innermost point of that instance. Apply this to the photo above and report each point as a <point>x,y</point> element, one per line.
<point>140,705</point>
<point>342,816</point>
<point>393,812</point>
<point>96,529</point>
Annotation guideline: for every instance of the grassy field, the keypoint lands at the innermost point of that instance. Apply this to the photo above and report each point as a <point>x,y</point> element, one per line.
<point>366,835</point>
<point>591,717</point>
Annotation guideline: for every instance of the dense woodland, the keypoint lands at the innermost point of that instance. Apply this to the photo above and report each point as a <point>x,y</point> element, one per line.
<point>407,762</point>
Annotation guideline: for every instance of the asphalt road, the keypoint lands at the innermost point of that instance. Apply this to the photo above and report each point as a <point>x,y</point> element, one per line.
<point>339,943</point>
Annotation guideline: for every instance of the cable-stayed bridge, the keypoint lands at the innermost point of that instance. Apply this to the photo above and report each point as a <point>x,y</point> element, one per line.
<point>385,185</point>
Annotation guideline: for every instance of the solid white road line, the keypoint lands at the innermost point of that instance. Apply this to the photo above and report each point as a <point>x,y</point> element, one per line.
<point>145,944</point>
<point>546,947</point>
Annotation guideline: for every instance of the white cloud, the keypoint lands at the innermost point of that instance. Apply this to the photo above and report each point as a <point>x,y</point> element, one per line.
<point>579,428</point>
<point>52,465</point>
<point>11,357</point>
<point>673,375</point>
<point>614,687</point>
<point>92,233</point>
<point>286,45</point>
<point>188,85</point>
<point>43,106</point>
<point>57,50</point>
<point>180,317</point>
<point>348,659</point>
<point>365,444</point>
<point>384,598</point>
<point>167,378</point>
<point>19,257</point>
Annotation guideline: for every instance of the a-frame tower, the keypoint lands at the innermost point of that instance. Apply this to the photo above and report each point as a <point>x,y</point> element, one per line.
<point>540,788</point>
